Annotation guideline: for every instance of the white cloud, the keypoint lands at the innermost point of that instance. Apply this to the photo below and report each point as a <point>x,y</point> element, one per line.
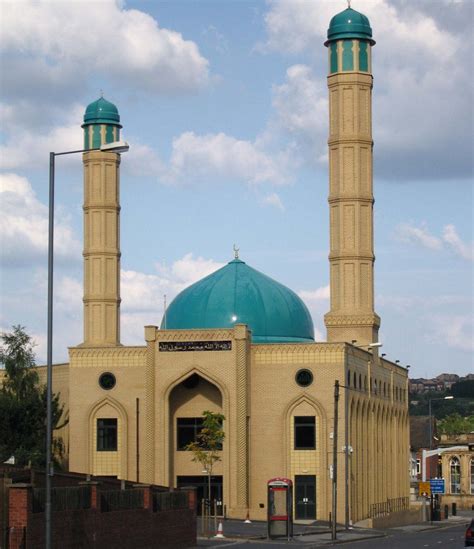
<point>451,237</point>
<point>188,269</point>
<point>142,161</point>
<point>220,156</point>
<point>317,296</point>
<point>273,199</point>
<point>24,226</point>
<point>301,107</point>
<point>142,302</point>
<point>407,232</point>
<point>68,295</point>
<point>456,331</point>
<point>419,235</point>
<point>125,45</point>
<point>25,148</point>
<point>317,302</point>
<point>142,292</point>
<point>422,90</point>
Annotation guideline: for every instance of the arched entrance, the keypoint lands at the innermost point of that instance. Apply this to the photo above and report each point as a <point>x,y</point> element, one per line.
<point>187,402</point>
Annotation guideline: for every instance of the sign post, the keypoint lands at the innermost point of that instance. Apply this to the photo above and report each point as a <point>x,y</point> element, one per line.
<point>424,489</point>
<point>437,486</point>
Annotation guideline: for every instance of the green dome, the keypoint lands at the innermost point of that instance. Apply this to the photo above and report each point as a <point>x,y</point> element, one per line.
<point>102,112</point>
<point>349,24</point>
<point>238,294</point>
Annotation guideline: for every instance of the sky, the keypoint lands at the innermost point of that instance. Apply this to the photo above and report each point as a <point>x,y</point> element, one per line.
<point>225,107</point>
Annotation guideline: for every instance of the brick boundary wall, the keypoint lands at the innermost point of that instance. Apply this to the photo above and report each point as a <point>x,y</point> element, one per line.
<point>92,528</point>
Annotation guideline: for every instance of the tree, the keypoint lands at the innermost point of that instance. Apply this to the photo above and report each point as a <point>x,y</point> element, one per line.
<point>23,403</point>
<point>455,424</point>
<point>463,389</point>
<point>208,444</point>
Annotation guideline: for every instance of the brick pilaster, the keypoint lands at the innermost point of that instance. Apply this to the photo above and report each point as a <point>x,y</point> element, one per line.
<point>19,509</point>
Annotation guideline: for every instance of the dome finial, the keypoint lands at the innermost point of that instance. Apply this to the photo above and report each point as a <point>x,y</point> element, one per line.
<point>349,4</point>
<point>236,252</point>
<point>102,93</point>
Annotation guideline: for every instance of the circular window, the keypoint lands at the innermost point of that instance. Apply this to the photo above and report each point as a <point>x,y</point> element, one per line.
<point>304,378</point>
<point>107,381</point>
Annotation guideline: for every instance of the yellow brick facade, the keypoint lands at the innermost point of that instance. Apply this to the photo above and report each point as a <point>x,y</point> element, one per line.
<point>253,385</point>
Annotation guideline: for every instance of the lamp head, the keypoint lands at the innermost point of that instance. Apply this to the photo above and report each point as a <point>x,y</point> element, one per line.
<point>115,146</point>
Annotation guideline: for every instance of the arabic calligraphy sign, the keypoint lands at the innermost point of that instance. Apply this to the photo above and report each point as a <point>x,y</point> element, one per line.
<point>180,346</point>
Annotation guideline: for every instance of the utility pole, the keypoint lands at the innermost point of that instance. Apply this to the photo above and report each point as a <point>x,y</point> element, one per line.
<point>334,461</point>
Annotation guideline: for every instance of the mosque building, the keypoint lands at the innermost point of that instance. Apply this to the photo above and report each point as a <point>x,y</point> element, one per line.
<point>239,343</point>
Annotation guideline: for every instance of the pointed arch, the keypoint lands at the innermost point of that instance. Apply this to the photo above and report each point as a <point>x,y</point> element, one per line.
<point>122,428</point>
<point>163,416</point>
<point>320,463</point>
<point>205,375</point>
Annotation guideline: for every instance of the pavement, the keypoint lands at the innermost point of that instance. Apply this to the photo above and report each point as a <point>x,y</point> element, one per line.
<point>318,533</point>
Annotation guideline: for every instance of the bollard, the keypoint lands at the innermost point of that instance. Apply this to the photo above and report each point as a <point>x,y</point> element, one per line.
<point>453,509</point>
<point>446,507</point>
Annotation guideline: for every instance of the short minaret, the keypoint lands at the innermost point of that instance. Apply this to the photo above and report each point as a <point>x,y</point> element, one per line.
<point>101,226</point>
<point>351,257</point>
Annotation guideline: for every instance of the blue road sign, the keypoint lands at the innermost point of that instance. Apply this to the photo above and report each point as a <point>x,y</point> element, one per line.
<point>437,485</point>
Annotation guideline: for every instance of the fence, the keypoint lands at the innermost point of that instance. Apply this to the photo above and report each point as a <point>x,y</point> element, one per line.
<point>115,500</point>
<point>165,501</point>
<point>79,497</point>
<point>390,506</point>
<point>62,499</point>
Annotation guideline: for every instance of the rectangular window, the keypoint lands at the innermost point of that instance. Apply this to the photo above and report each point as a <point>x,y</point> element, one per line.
<point>187,430</point>
<point>305,432</point>
<point>107,435</point>
<point>418,466</point>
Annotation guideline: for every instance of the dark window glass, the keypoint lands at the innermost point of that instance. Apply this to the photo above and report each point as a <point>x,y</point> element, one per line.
<point>107,381</point>
<point>305,432</point>
<point>107,435</point>
<point>304,378</point>
<point>187,430</point>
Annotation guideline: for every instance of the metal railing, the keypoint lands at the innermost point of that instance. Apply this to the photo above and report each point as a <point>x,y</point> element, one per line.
<point>389,506</point>
<point>165,501</point>
<point>62,499</point>
<point>116,500</point>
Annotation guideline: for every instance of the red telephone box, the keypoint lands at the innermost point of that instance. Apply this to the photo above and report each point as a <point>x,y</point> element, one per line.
<point>280,508</point>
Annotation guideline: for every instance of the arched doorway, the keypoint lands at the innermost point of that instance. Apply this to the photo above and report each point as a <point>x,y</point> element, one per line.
<point>187,402</point>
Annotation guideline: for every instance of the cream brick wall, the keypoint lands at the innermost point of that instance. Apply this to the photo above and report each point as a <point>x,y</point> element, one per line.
<point>88,401</point>
<point>101,248</point>
<point>254,386</point>
<point>351,201</point>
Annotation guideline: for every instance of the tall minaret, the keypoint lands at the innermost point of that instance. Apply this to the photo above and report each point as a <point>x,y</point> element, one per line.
<point>101,226</point>
<point>351,257</point>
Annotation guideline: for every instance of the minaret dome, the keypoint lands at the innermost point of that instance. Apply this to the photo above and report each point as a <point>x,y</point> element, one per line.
<point>349,24</point>
<point>101,124</point>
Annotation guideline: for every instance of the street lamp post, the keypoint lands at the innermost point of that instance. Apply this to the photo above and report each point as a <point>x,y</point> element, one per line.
<point>116,147</point>
<point>334,462</point>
